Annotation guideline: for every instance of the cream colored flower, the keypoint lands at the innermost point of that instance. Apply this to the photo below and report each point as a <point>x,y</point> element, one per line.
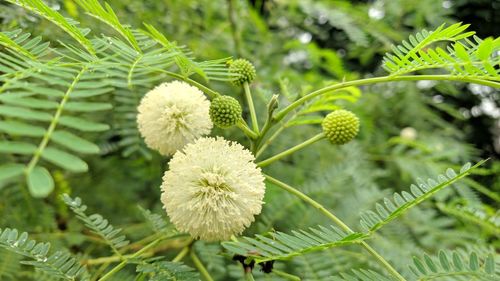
<point>213,189</point>
<point>172,115</point>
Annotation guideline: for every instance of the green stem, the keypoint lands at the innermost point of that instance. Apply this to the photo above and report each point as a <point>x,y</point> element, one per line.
<point>286,275</point>
<point>269,141</point>
<point>248,95</point>
<point>125,262</point>
<point>374,80</point>
<point>53,124</point>
<point>249,276</point>
<point>211,93</point>
<point>337,221</point>
<point>278,131</point>
<point>201,268</point>
<point>181,254</point>
<point>271,107</point>
<point>243,126</point>
<point>291,150</point>
<point>111,259</point>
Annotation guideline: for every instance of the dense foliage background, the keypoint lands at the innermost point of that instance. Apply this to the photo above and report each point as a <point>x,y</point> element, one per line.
<point>296,46</point>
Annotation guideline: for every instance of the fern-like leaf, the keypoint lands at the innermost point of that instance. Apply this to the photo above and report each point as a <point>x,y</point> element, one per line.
<point>97,224</point>
<point>36,97</point>
<point>391,209</point>
<point>454,266</point>
<point>58,265</point>
<point>15,44</point>
<point>68,25</point>
<point>282,246</point>
<point>108,16</point>
<point>157,222</point>
<point>168,271</point>
<point>463,57</point>
<point>489,222</point>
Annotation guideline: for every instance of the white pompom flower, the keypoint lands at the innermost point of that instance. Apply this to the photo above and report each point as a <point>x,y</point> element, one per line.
<point>172,115</point>
<point>213,189</point>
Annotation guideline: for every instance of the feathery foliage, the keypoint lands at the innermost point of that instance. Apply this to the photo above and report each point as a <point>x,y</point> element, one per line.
<point>97,224</point>
<point>284,246</point>
<point>455,266</point>
<point>59,264</point>
<point>464,57</point>
<point>68,106</point>
<point>168,271</point>
<point>371,221</point>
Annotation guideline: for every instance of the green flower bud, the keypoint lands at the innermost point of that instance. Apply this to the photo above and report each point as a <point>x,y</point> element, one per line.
<point>225,111</point>
<point>245,69</point>
<point>340,126</point>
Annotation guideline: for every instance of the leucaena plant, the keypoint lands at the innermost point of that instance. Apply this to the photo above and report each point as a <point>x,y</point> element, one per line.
<point>213,188</point>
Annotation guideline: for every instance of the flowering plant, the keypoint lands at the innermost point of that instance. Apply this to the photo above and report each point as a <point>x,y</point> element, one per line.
<point>213,159</point>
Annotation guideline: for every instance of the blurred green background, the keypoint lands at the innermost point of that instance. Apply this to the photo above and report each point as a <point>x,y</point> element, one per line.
<point>408,130</point>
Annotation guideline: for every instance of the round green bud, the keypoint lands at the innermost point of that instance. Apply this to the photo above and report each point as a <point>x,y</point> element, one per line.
<point>225,111</point>
<point>340,126</point>
<point>245,69</point>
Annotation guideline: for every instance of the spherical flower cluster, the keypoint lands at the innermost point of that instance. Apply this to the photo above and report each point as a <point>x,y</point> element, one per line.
<point>172,115</point>
<point>245,69</point>
<point>213,189</point>
<point>340,126</point>
<point>225,111</point>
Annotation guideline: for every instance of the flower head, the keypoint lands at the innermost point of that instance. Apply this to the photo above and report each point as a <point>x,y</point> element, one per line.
<point>213,189</point>
<point>340,126</point>
<point>245,69</point>
<point>172,115</point>
<point>225,111</point>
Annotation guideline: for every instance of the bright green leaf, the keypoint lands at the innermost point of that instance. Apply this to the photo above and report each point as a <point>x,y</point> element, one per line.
<point>64,160</point>
<point>17,147</point>
<point>82,124</point>
<point>10,170</point>
<point>74,142</point>
<point>40,182</point>
<point>21,129</point>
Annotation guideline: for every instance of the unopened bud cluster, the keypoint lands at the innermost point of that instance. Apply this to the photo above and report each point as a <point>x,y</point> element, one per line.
<point>225,111</point>
<point>244,69</point>
<point>340,126</point>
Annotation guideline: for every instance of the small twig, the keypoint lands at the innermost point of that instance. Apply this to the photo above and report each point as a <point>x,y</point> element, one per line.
<point>199,265</point>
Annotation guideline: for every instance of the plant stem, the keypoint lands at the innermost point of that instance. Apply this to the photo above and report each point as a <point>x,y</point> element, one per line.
<point>211,93</point>
<point>271,107</point>
<point>243,126</point>
<point>181,254</point>
<point>337,221</point>
<point>112,259</point>
<point>291,150</point>
<point>249,276</point>
<point>125,261</point>
<point>273,136</point>
<point>286,275</point>
<point>269,141</point>
<point>201,268</point>
<point>253,115</point>
<point>53,123</point>
<point>374,80</point>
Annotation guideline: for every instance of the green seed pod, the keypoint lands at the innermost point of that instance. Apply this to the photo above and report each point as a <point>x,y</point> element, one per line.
<point>340,126</point>
<point>245,69</point>
<point>225,111</point>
